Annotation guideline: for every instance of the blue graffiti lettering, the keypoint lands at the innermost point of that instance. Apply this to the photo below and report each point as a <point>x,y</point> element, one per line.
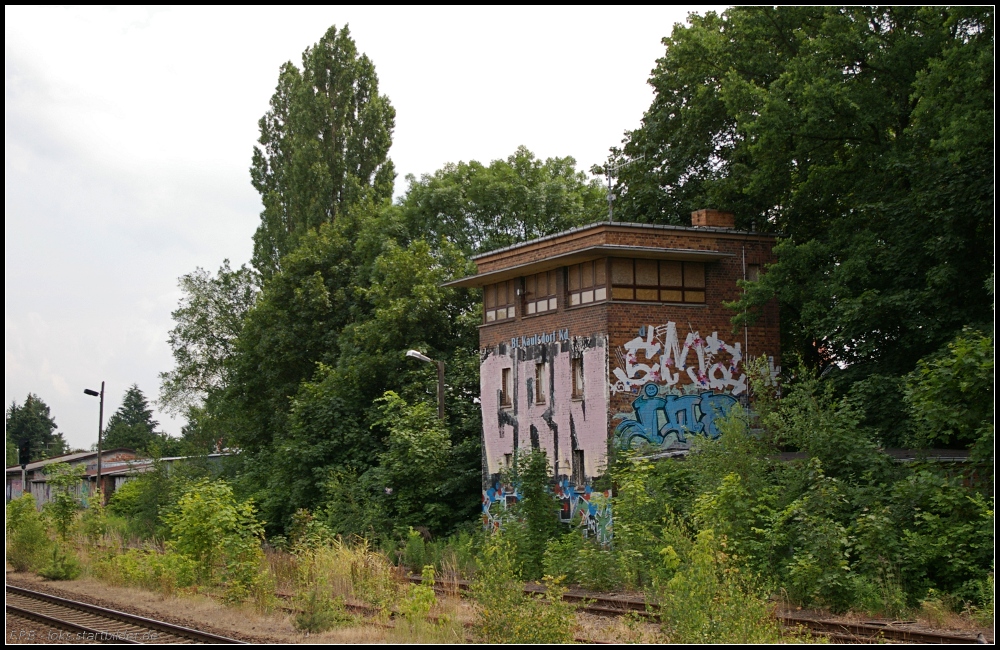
<point>682,415</point>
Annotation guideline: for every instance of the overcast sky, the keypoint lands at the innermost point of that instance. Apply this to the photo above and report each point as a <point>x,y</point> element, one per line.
<point>128,136</point>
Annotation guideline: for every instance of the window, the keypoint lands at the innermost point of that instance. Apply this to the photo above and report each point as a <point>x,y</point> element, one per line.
<point>498,300</point>
<point>577,364</point>
<point>587,282</point>
<point>658,281</point>
<point>539,383</point>
<point>506,387</point>
<point>506,459</point>
<point>579,475</point>
<point>540,292</point>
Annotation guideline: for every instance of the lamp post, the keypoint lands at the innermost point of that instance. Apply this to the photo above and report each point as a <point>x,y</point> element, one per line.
<point>413,354</point>
<point>100,431</point>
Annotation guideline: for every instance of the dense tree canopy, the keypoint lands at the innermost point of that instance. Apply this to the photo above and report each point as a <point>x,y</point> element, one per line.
<point>31,430</point>
<point>865,135</point>
<point>324,145</point>
<point>208,320</point>
<point>482,208</point>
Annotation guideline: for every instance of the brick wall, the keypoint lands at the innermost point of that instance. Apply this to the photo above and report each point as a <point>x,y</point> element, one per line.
<point>698,359</point>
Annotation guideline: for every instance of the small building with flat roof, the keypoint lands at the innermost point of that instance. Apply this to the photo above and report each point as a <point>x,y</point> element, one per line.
<point>613,335</point>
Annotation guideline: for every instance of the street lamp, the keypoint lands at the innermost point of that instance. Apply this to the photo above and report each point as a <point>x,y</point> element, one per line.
<point>413,354</point>
<point>100,431</point>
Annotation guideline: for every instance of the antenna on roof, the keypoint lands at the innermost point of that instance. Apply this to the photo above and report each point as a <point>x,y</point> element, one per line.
<point>608,170</point>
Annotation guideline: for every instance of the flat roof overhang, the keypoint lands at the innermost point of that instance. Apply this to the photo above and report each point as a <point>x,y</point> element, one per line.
<point>587,255</point>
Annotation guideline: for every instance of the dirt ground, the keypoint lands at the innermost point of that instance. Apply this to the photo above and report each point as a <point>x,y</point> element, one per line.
<point>195,611</point>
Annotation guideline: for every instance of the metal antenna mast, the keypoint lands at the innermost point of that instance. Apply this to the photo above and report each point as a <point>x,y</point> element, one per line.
<point>608,172</point>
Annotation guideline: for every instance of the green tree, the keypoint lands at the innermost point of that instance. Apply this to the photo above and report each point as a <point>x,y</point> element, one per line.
<point>482,208</point>
<point>865,135</point>
<point>133,426</point>
<point>328,337</point>
<point>949,394</point>
<point>30,427</point>
<point>324,146</point>
<point>208,320</point>
<point>65,485</point>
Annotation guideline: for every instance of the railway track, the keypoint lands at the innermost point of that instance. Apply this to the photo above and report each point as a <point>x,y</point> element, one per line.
<point>833,630</point>
<point>79,622</point>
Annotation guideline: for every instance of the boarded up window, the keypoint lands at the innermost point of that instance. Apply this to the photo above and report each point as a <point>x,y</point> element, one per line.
<point>658,280</point>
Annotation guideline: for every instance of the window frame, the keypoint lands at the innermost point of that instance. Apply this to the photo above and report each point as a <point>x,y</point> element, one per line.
<point>576,374</point>
<point>491,294</point>
<point>535,302</point>
<point>690,291</point>
<point>507,387</point>
<point>591,280</point>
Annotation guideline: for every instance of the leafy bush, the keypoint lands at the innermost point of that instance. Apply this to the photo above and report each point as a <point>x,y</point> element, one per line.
<point>710,601</point>
<point>318,612</point>
<point>581,561</point>
<point>504,613</point>
<point>222,536</point>
<point>949,394</point>
<point>143,501</point>
<point>28,540</point>
<point>164,572</point>
<point>419,599</point>
<point>95,518</point>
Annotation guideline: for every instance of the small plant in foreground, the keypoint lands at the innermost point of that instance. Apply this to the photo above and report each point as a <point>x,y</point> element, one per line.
<point>420,599</point>
<point>63,565</point>
<point>28,541</point>
<point>318,612</point>
<point>709,601</point>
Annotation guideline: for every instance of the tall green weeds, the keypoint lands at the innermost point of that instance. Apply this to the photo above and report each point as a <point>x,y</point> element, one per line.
<point>28,543</point>
<point>504,613</point>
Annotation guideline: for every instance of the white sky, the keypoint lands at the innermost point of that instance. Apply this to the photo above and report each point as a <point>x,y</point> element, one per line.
<point>128,135</point>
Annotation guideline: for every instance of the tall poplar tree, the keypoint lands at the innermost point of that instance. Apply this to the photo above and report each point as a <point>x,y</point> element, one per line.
<point>324,146</point>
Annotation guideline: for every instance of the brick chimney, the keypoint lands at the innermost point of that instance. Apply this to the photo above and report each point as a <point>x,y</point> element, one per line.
<point>709,218</point>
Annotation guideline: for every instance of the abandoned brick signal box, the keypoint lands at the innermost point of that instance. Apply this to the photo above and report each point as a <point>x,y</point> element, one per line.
<point>612,334</point>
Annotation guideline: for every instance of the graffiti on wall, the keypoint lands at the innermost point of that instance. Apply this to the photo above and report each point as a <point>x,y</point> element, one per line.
<point>656,356</point>
<point>668,420</point>
<point>681,390</point>
<point>497,499</point>
<point>579,505</point>
<point>585,508</point>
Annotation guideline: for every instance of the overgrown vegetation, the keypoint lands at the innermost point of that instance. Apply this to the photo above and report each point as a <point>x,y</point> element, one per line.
<point>861,133</point>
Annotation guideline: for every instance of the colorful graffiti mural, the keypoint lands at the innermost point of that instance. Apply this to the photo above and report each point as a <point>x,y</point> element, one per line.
<point>680,415</point>
<point>664,361</point>
<point>496,501</point>
<point>583,507</point>
<point>677,397</point>
<point>580,506</point>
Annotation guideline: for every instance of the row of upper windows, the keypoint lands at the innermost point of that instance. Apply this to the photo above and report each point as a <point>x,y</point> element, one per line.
<point>630,279</point>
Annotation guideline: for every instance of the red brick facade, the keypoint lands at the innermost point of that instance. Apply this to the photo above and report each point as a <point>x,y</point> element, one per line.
<point>653,371</point>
